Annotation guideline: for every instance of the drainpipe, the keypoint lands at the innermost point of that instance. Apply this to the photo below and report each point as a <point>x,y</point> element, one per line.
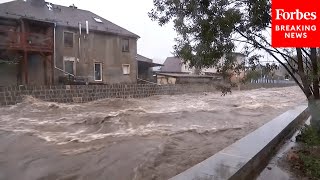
<point>137,67</point>
<point>79,42</point>
<point>54,52</point>
<point>54,45</point>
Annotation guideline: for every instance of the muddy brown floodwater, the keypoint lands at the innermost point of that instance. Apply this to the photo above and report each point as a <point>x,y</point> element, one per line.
<point>123,139</point>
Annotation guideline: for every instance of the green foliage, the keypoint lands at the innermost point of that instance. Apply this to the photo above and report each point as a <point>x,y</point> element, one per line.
<point>259,13</point>
<point>309,151</point>
<point>309,136</point>
<point>311,164</point>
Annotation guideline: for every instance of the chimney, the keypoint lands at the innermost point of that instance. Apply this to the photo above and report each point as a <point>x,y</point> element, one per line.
<point>38,2</point>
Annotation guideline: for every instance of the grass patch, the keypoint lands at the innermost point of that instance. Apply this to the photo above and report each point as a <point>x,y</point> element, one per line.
<point>309,136</point>
<point>309,152</point>
<point>311,164</point>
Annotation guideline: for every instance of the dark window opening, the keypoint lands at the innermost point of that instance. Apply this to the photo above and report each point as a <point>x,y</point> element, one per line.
<point>68,39</point>
<point>68,66</point>
<point>125,45</point>
<point>97,71</point>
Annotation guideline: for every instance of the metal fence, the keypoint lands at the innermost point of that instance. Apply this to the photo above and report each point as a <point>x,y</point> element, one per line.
<point>271,81</point>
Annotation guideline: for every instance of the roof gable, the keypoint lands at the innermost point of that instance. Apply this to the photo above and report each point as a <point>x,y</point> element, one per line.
<point>172,64</point>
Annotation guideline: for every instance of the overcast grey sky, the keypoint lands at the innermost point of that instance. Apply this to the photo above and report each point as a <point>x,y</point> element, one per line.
<point>156,42</point>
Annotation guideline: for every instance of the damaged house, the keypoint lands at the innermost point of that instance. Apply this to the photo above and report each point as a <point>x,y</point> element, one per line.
<point>145,69</point>
<point>43,44</point>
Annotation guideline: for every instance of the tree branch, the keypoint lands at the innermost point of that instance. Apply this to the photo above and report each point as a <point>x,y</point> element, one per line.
<point>301,72</point>
<point>315,78</point>
<point>285,56</point>
<point>306,52</point>
<point>275,57</point>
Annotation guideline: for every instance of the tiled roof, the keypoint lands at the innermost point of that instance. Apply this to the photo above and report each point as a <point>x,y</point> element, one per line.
<point>172,64</point>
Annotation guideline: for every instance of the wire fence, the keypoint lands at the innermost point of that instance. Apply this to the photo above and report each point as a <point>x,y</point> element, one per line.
<point>272,81</point>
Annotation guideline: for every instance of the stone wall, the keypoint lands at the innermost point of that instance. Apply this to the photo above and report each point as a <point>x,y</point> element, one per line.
<point>85,93</point>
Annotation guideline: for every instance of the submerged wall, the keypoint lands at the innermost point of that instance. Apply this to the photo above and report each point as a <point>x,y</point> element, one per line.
<point>85,93</point>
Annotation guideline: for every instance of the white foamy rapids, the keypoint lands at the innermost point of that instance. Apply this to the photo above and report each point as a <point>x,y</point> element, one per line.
<point>180,105</point>
<point>32,104</point>
<point>147,130</point>
<point>145,137</point>
<point>63,123</point>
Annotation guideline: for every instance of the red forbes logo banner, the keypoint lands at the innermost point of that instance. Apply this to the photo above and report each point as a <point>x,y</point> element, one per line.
<point>295,23</point>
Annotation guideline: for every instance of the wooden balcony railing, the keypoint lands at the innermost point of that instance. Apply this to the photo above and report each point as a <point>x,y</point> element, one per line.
<point>28,41</point>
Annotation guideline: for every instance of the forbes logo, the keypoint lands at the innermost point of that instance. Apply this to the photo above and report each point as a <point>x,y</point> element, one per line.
<point>281,14</point>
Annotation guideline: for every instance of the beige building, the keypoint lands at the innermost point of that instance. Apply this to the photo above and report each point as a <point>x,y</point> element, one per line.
<point>174,67</point>
<point>177,65</point>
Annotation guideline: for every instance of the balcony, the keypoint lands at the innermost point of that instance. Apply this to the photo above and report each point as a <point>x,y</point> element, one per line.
<point>35,42</point>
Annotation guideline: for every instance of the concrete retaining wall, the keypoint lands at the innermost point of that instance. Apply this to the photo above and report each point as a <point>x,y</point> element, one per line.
<point>85,93</point>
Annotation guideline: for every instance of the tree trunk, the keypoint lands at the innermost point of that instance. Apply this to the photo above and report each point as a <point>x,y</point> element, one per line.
<point>314,108</point>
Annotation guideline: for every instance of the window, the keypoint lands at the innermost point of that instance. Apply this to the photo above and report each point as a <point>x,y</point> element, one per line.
<point>125,45</point>
<point>126,69</point>
<point>98,71</point>
<point>69,65</point>
<point>68,39</point>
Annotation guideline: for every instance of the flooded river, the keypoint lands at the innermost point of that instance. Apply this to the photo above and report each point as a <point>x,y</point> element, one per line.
<point>123,139</point>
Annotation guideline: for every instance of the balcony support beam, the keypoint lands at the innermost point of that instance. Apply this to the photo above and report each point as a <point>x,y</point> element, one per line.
<point>25,53</point>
